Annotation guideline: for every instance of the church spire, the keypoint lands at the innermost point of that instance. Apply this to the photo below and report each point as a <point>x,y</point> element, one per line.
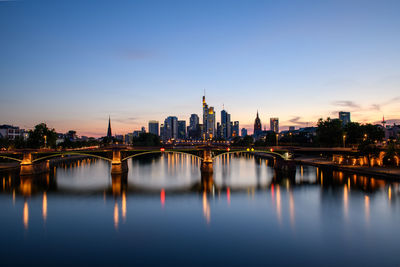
<point>109,135</point>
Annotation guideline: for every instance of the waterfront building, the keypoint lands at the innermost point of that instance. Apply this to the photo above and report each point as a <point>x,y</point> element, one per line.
<point>244,132</point>
<point>274,125</point>
<point>136,133</point>
<point>344,117</point>
<point>153,127</point>
<point>257,125</point>
<point>11,132</point>
<point>181,130</point>
<point>193,122</point>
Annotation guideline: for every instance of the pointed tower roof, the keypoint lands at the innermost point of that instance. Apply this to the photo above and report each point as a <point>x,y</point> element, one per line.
<point>109,127</point>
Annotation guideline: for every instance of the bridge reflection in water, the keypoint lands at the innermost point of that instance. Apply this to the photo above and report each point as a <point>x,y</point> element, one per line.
<point>216,185</point>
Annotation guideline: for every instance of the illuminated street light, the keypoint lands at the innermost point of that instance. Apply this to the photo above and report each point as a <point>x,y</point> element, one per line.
<point>277,135</point>
<point>45,141</point>
<point>344,140</point>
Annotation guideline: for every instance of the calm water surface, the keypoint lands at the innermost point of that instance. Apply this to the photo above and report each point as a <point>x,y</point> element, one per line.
<point>163,212</point>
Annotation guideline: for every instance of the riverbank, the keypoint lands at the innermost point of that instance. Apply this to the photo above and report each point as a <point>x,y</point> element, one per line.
<point>384,172</point>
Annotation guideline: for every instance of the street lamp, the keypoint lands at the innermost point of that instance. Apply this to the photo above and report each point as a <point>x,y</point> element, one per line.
<point>365,137</point>
<point>290,138</point>
<point>277,135</point>
<point>344,140</point>
<point>45,141</point>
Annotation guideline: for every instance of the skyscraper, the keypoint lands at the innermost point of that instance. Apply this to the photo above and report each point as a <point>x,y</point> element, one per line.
<point>235,129</point>
<point>344,117</point>
<point>109,135</point>
<point>225,124</point>
<point>193,122</point>
<point>208,120</point>
<point>205,116</point>
<point>210,123</point>
<point>244,132</point>
<point>274,125</point>
<point>181,130</point>
<point>257,125</point>
<point>171,128</point>
<point>153,127</point>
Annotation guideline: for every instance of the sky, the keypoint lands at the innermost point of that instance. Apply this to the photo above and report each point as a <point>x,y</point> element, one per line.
<point>72,64</point>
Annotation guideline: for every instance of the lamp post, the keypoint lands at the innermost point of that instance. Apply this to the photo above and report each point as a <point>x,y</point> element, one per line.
<point>277,135</point>
<point>365,137</point>
<point>290,138</point>
<point>344,140</point>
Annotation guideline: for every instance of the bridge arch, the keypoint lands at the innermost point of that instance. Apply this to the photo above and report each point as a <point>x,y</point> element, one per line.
<point>71,153</point>
<point>14,159</point>
<point>254,151</point>
<point>158,151</point>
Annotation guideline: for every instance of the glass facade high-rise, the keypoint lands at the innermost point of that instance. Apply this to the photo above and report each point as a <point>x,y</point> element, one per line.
<point>208,121</point>
<point>226,131</point>
<point>344,117</point>
<point>181,130</point>
<point>170,130</point>
<point>153,127</point>
<point>244,132</point>
<point>193,122</point>
<point>274,125</point>
<point>235,129</point>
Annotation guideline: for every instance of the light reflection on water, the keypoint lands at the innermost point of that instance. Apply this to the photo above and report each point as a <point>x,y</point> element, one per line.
<point>164,209</point>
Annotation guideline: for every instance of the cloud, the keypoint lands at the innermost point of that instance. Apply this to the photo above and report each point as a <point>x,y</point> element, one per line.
<point>296,121</point>
<point>389,122</point>
<point>125,120</point>
<point>137,54</point>
<point>346,104</point>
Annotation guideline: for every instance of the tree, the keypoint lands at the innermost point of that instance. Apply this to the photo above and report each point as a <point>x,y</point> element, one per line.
<point>330,132</point>
<point>37,137</point>
<point>354,133</point>
<point>391,153</point>
<point>373,132</point>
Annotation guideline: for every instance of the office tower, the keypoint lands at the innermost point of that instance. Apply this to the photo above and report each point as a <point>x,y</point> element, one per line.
<point>274,125</point>
<point>171,128</point>
<point>193,122</point>
<point>162,133</point>
<point>210,134</point>
<point>244,132</point>
<point>235,129</point>
<point>219,133</point>
<point>153,127</point>
<point>344,117</point>
<point>226,130</point>
<point>257,125</point>
<point>181,130</point>
<point>205,117</point>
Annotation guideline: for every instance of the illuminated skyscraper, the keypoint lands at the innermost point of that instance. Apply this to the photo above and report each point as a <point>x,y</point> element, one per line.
<point>274,125</point>
<point>170,129</point>
<point>210,123</point>
<point>205,116</point>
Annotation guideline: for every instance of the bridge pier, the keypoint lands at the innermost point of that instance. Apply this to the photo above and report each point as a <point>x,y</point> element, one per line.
<point>285,167</point>
<point>207,181</point>
<point>118,166</point>
<point>27,167</point>
<point>119,183</point>
<point>207,163</point>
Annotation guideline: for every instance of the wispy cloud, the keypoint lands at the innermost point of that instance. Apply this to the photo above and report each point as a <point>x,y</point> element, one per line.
<point>346,104</point>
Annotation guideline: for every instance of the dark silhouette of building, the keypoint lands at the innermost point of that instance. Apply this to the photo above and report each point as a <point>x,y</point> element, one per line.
<point>109,135</point>
<point>257,125</point>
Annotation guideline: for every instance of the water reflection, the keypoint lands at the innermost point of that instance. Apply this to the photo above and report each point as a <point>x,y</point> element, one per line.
<point>244,201</point>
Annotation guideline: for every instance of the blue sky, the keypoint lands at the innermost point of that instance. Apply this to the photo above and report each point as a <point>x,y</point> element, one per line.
<point>73,63</point>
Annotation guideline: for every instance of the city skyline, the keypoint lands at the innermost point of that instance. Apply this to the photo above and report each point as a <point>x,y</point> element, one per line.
<point>298,61</point>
